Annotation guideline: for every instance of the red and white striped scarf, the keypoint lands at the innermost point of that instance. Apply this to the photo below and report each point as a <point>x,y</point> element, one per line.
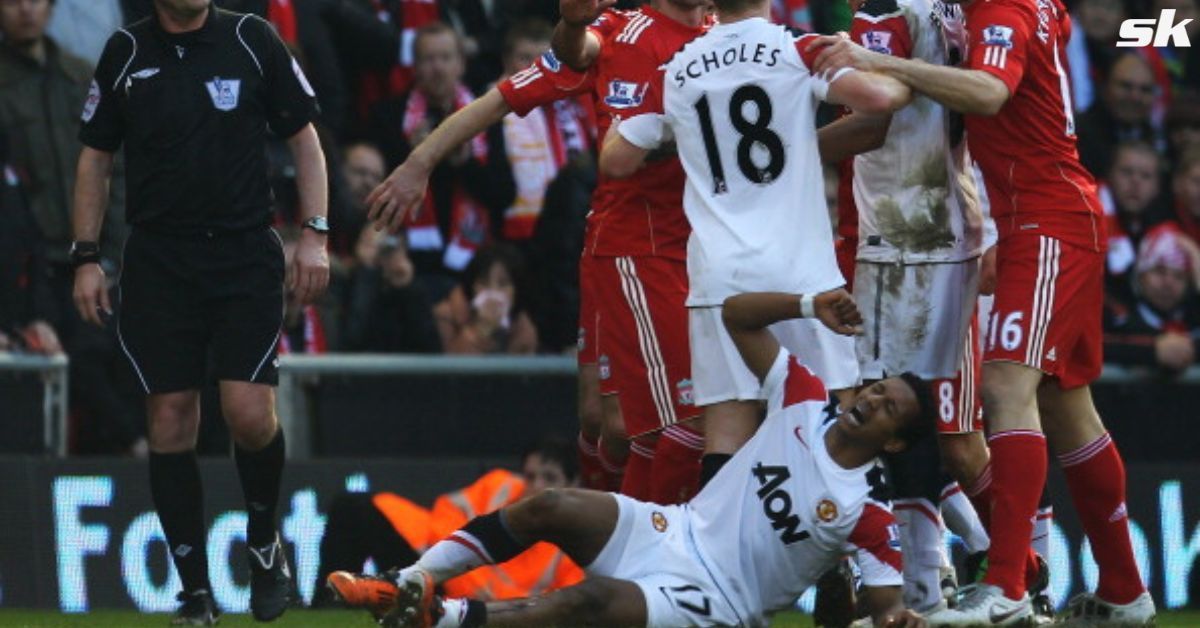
<point>469,223</point>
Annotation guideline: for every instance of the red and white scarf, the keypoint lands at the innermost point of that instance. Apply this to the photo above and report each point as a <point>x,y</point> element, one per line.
<point>469,223</point>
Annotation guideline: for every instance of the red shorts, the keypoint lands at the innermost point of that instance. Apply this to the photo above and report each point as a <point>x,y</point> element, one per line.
<point>1047,311</point>
<point>959,400</point>
<point>588,318</point>
<point>642,343</point>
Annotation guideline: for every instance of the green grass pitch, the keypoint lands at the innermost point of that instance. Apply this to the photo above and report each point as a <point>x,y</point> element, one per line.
<point>322,619</point>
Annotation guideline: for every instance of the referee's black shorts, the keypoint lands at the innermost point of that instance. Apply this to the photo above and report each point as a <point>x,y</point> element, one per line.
<point>200,307</point>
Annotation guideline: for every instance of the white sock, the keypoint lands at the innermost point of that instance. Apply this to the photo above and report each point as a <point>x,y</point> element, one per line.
<point>1041,531</point>
<point>962,519</point>
<point>453,556</point>
<point>454,612</point>
<point>921,542</point>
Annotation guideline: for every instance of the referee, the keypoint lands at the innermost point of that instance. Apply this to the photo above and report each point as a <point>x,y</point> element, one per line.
<point>190,93</point>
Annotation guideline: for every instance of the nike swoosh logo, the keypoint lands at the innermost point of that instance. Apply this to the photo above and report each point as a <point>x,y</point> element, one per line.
<point>999,617</point>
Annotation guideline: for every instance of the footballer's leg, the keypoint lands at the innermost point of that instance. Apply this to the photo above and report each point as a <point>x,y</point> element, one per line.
<point>1096,477</point>
<point>595,601</point>
<point>578,521</point>
<point>727,426</point>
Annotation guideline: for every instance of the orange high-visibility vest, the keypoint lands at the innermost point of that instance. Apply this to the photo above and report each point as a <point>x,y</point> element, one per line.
<point>540,569</point>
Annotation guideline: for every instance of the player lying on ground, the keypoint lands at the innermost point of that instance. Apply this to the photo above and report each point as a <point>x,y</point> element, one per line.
<point>803,492</point>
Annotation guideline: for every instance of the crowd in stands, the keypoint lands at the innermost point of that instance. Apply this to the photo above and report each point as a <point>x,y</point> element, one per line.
<point>489,264</point>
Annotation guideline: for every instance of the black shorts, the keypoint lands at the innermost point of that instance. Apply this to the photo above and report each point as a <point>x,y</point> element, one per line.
<point>204,307</point>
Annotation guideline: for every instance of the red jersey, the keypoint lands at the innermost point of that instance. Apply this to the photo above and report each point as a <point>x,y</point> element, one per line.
<point>643,214</point>
<point>1027,152</point>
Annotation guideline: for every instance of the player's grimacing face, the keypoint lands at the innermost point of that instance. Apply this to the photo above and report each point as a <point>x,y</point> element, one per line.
<point>879,412</point>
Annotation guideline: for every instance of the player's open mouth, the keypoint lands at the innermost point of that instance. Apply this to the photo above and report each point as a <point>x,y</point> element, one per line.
<point>855,416</point>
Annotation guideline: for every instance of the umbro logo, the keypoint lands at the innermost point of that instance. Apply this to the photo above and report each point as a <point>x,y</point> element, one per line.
<point>1120,513</point>
<point>1052,354</point>
<point>182,550</point>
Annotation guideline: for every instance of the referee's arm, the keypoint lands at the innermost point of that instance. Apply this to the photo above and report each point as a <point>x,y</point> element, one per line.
<point>91,196</point>
<point>310,264</point>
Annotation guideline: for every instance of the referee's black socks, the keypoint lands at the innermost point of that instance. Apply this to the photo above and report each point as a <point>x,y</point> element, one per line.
<point>260,473</point>
<point>179,500</point>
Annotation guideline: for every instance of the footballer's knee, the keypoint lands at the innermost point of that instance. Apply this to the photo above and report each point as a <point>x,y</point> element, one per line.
<point>249,411</point>
<point>173,421</point>
<point>539,515</point>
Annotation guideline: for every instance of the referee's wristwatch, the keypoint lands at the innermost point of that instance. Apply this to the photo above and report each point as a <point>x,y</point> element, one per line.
<point>84,253</point>
<point>317,224</point>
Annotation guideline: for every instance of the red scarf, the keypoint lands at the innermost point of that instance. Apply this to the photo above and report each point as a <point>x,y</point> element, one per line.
<point>469,223</point>
<point>314,334</point>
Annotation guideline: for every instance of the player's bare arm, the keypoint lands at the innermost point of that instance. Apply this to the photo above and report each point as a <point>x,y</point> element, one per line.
<point>853,134</point>
<point>573,44</point>
<point>748,315</point>
<point>619,157</point>
<point>91,199</point>
<point>400,194</point>
<point>310,265</point>
<point>886,608</point>
<point>965,91</point>
<point>868,92</point>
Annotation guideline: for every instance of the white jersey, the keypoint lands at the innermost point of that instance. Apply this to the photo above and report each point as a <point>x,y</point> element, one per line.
<point>781,512</point>
<point>916,194</point>
<point>740,103</point>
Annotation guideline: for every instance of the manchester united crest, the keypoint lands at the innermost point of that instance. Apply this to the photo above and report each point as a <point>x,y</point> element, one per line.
<point>827,510</point>
<point>659,521</point>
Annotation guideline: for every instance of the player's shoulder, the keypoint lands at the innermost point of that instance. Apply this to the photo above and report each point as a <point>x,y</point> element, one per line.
<point>993,9</point>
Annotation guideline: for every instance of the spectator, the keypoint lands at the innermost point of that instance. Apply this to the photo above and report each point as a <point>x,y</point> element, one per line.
<point>1130,196</point>
<point>557,241</point>
<point>1161,325</point>
<point>1183,124</point>
<point>393,531</point>
<point>25,302</point>
<point>1123,113</point>
<point>362,170</point>
<point>1185,188</point>
<point>541,142</point>
<point>464,189</point>
<point>1182,63</point>
<point>83,26</point>
<point>42,92</point>
<point>1092,48</point>
<point>388,309</point>
<point>486,312</point>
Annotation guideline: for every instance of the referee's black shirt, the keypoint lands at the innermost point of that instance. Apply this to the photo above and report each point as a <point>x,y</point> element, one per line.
<point>192,111</point>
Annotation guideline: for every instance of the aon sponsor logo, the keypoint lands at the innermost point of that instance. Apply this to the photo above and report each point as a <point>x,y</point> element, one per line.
<point>777,502</point>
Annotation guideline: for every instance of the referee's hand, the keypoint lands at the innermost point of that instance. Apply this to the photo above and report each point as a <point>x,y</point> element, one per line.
<point>310,267</point>
<point>91,294</point>
<point>399,196</point>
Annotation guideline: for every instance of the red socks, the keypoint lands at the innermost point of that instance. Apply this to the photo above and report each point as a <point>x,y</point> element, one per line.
<point>1096,477</point>
<point>676,473</point>
<point>638,469</point>
<point>1018,475</point>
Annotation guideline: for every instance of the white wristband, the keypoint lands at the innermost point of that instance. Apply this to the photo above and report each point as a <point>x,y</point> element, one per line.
<point>806,306</point>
